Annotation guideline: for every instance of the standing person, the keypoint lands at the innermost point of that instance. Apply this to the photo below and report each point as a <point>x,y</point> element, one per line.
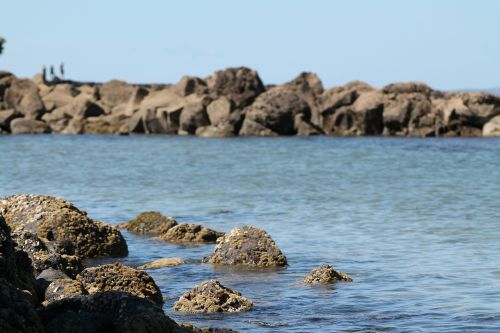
<point>44,74</point>
<point>61,70</point>
<point>52,73</point>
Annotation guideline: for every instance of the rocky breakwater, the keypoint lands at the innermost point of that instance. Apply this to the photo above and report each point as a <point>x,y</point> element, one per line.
<point>235,101</point>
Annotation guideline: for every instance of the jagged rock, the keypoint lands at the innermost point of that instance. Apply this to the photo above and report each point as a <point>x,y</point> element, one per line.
<point>115,92</point>
<point>110,312</point>
<point>28,126</point>
<point>190,233</point>
<point>241,85</point>
<point>23,96</point>
<point>191,85</point>
<point>150,223</point>
<point>59,95</point>
<point>164,262</point>
<point>326,274</point>
<point>492,128</point>
<point>63,288</point>
<point>56,219</point>
<point>247,246</point>
<point>310,89</point>
<point>253,128</point>
<point>118,277</point>
<point>193,116</point>
<point>211,296</point>
<point>17,314</point>
<point>407,88</point>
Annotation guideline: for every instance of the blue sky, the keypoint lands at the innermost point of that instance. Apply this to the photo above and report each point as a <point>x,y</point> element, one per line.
<point>448,44</point>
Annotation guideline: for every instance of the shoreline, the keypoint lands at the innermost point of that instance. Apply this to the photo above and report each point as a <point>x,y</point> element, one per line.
<point>235,102</point>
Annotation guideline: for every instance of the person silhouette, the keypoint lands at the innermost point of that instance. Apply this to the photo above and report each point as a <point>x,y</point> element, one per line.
<point>44,74</point>
<point>61,70</point>
<point>52,73</point>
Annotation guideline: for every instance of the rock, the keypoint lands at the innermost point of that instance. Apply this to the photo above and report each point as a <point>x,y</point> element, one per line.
<point>222,130</point>
<point>150,223</point>
<point>23,96</point>
<point>326,274</point>
<point>305,128</point>
<point>194,329</point>
<point>28,126</point>
<point>191,85</point>
<point>219,110</point>
<point>6,117</point>
<point>368,109</point>
<point>492,128</point>
<point>63,288</point>
<point>241,85</point>
<point>483,106</point>
<point>276,109</point>
<point>253,128</point>
<point>59,96</point>
<point>193,116</point>
<point>118,277</point>
<point>407,88</point>
<point>110,312</point>
<point>17,314</point>
<point>211,296</point>
<point>164,262</point>
<point>309,87</point>
<point>190,233</point>
<point>56,219</point>
<point>247,246</point>
<point>115,92</point>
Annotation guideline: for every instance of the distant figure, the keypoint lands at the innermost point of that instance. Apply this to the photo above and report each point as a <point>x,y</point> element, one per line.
<point>61,70</point>
<point>44,74</point>
<point>52,73</point>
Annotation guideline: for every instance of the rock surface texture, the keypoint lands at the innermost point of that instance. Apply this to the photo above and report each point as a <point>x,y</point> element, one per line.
<point>234,101</point>
<point>211,296</point>
<point>150,223</point>
<point>190,233</point>
<point>325,274</point>
<point>247,246</point>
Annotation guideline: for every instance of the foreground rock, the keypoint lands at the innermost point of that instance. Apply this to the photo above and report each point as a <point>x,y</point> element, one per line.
<point>164,262</point>
<point>325,274</point>
<point>150,223</point>
<point>58,220</point>
<point>211,296</point>
<point>191,233</point>
<point>117,277</point>
<point>247,246</point>
<point>64,288</point>
<point>111,312</point>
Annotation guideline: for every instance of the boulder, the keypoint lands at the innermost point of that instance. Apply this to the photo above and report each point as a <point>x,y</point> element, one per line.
<point>163,262</point>
<point>63,288</point>
<point>484,106</point>
<point>116,92</point>
<point>253,128</point>
<point>17,314</point>
<point>23,96</point>
<point>241,85</point>
<point>149,223</point>
<point>220,110</point>
<point>110,312</point>
<point>6,117</point>
<point>59,95</point>
<point>408,88</point>
<point>56,219</point>
<point>325,274</point>
<point>191,85</point>
<point>193,116</point>
<point>118,277</point>
<point>247,246</point>
<point>310,89</point>
<point>28,126</point>
<point>190,233</point>
<point>211,296</point>
<point>222,130</point>
<point>276,109</point>
<point>194,329</point>
<point>492,128</point>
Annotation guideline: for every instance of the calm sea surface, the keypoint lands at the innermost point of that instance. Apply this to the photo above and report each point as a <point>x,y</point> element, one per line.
<point>416,222</point>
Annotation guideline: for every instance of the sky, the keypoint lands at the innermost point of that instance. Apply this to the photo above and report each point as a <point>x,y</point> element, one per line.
<point>449,44</point>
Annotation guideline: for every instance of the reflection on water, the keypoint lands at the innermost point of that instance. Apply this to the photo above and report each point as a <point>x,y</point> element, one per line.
<point>414,221</point>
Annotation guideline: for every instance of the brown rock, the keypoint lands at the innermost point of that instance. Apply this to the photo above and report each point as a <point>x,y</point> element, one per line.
<point>325,274</point>
<point>211,296</point>
<point>253,128</point>
<point>191,85</point>
<point>115,92</point>
<point>164,262</point>
<point>150,223</point>
<point>118,277</point>
<point>28,126</point>
<point>492,128</point>
<point>6,116</point>
<point>62,288</point>
<point>222,130</point>
<point>219,110</point>
<point>193,116</point>
<point>190,233</point>
<point>23,96</point>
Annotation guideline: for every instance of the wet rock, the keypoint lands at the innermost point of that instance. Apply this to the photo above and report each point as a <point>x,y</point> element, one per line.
<point>247,246</point>
<point>492,128</point>
<point>17,314</point>
<point>150,223</point>
<point>63,288</point>
<point>56,219</point>
<point>241,85</point>
<point>194,329</point>
<point>326,274</point>
<point>23,96</point>
<point>110,312</point>
<point>190,233</point>
<point>28,126</point>
<point>164,262</point>
<point>211,296</point>
<point>118,277</point>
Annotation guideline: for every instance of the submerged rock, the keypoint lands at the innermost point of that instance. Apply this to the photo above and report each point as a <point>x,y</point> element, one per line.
<point>191,233</point>
<point>211,296</point>
<point>164,262</point>
<point>194,329</point>
<point>150,223</point>
<point>247,246</point>
<point>325,274</point>
<point>56,219</point>
<point>118,277</point>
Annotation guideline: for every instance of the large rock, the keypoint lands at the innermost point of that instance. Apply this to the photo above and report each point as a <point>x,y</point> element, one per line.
<point>211,296</point>
<point>150,223</point>
<point>110,312</point>
<point>492,128</point>
<point>56,219</point>
<point>222,130</point>
<point>28,126</point>
<point>220,110</point>
<point>276,109</point>
<point>241,85</point>
<point>115,92</point>
<point>17,314</point>
<point>118,277</point>
<point>191,85</point>
<point>325,274</point>
<point>23,96</point>
<point>64,288</point>
<point>59,95</point>
<point>309,87</point>
<point>6,117</point>
<point>193,116</point>
<point>247,246</point>
<point>163,262</point>
<point>190,233</point>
